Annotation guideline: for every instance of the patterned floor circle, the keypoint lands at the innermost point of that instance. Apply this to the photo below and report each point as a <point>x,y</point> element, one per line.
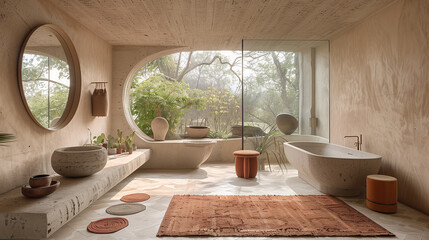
<point>108,225</point>
<point>135,197</point>
<point>126,209</point>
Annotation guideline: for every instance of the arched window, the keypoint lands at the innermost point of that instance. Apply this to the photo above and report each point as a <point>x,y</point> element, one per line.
<point>200,88</point>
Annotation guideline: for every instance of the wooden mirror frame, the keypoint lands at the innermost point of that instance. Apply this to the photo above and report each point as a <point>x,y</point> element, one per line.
<point>75,76</point>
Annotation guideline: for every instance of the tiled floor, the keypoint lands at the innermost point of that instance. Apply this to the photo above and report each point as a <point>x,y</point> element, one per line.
<point>219,179</point>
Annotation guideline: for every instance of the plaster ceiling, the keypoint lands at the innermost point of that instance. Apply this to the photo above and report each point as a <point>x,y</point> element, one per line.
<point>216,24</point>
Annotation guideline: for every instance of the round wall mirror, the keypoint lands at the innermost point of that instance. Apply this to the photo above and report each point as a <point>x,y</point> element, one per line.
<point>49,77</point>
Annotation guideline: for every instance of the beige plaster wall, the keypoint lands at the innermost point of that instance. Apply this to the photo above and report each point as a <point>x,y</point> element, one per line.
<point>380,88</point>
<point>322,90</point>
<point>127,60</point>
<point>305,87</point>
<point>31,152</point>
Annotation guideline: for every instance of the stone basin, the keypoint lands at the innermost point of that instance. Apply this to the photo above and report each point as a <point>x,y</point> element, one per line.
<point>80,161</point>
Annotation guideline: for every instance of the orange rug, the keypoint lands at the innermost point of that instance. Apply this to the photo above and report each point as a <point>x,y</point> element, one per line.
<point>264,216</point>
<point>135,197</point>
<point>107,225</point>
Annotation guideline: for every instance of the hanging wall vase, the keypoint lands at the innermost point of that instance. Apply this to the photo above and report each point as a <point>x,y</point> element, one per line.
<point>100,103</point>
<point>159,128</point>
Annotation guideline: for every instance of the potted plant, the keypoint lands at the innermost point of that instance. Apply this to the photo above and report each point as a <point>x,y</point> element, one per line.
<point>117,147</point>
<point>129,143</point>
<point>267,145</point>
<point>111,150</point>
<point>99,140</point>
<point>119,141</point>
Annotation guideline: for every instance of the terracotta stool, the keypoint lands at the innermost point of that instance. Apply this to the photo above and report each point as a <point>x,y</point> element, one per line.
<point>381,193</point>
<point>246,163</point>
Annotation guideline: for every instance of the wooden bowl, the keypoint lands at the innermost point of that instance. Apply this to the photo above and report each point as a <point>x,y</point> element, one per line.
<point>42,180</point>
<point>39,192</point>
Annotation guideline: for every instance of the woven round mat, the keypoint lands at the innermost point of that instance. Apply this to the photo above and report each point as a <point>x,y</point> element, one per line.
<point>125,208</point>
<point>135,197</point>
<point>107,225</point>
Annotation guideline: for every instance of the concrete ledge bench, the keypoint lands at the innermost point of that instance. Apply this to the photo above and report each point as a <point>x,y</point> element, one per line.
<point>25,218</point>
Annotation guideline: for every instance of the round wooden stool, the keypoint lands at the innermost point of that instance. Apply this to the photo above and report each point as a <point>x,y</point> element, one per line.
<point>382,193</point>
<point>246,163</point>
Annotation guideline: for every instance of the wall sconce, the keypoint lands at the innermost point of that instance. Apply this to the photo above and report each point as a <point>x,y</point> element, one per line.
<point>99,100</point>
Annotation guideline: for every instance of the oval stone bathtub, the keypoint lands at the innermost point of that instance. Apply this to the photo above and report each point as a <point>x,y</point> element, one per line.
<point>176,154</point>
<point>330,168</point>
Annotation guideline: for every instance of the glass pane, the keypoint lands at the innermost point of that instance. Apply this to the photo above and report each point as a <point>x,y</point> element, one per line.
<point>286,95</point>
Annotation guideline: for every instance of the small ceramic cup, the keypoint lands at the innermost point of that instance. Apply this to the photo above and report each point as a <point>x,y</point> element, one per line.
<point>42,180</point>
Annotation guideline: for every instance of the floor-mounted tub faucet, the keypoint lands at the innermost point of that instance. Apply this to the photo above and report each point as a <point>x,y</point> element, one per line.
<point>358,143</point>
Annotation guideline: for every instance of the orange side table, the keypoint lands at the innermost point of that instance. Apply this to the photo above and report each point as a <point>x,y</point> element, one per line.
<point>382,193</point>
<point>246,163</point>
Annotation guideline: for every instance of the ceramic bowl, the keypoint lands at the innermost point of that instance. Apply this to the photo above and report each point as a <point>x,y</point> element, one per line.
<point>197,131</point>
<point>79,161</point>
<point>42,180</point>
<point>286,123</point>
<point>39,192</point>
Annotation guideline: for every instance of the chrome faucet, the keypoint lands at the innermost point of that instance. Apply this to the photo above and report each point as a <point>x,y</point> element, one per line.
<point>358,143</point>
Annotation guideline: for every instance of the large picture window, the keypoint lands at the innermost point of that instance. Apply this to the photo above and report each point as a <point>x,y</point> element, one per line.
<point>225,89</point>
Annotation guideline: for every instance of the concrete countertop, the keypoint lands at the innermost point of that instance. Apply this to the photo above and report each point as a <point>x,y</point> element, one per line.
<point>26,218</point>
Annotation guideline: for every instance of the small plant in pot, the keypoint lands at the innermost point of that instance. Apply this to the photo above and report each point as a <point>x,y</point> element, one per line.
<point>129,142</point>
<point>111,149</point>
<point>117,147</point>
<point>99,140</point>
<point>119,141</point>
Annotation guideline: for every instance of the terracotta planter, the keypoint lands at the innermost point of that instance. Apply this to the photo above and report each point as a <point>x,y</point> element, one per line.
<point>130,150</point>
<point>118,150</point>
<point>197,131</point>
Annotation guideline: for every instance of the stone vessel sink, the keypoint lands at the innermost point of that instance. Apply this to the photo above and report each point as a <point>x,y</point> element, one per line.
<point>79,161</point>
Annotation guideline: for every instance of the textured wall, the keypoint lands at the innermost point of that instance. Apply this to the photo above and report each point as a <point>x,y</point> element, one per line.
<point>380,87</point>
<point>321,93</point>
<point>305,86</point>
<point>322,90</point>
<point>30,154</point>
<point>127,60</point>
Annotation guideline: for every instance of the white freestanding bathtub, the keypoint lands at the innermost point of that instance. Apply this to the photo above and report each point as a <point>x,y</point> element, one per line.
<point>330,168</point>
